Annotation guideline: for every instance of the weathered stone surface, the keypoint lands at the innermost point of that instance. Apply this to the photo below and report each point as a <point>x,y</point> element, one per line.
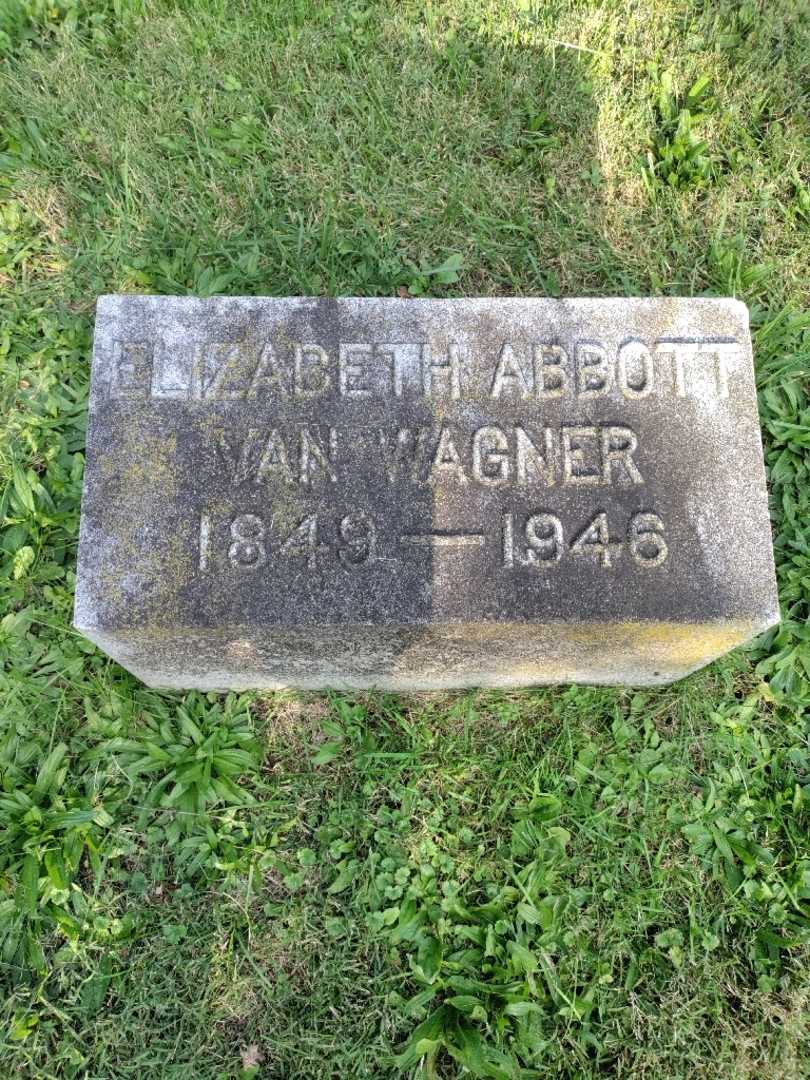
<point>417,494</point>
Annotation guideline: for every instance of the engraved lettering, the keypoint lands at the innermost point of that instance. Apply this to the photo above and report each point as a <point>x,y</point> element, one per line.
<point>313,459</point>
<point>490,456</point>
<point>723,352</point>
<point>531,463</point>
<point>508,540</point>
<point>211,363</point>
<point>217,370</point>
<point>533,540</point>
<point>443,540</point>
<point>310,371</point>
<point>274,460</point>
<point>706,362</point>
<point>303,541</point>
<point>247,549</point>
<point>594,540</point>
<point>351,372</point>
<point>270,376</point>
<point>403,454</point>
<point>634,370</point>
<point>447,369</point>
<point>170,375</point>
<point>205,540</point>
<point>646,539</point>
<point>722,373</point>
<point>593,372</point>
<point>577,468</point>
<point>544,539</point>
<point>597,454</point>
<point>358,537</point>
<point>539,541</point>
<point>446,458</point>
<point>618,447</point>
<point>240,463</point>
<point>678,352</point>
<point>550,375</point>
<point>132,362</point>
<point>509,375</point>
<point>406,360</point>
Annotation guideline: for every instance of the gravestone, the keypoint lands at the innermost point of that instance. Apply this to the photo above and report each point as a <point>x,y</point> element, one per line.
<point>422,494</point>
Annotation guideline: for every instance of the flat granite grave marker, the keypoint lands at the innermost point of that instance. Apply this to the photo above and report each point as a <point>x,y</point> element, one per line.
<point>422,494</point>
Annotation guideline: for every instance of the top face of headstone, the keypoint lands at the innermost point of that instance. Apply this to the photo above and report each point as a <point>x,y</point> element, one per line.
<point>315,462</point>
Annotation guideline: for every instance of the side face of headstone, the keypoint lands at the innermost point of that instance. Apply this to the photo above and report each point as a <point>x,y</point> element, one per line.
<point>422,494</point>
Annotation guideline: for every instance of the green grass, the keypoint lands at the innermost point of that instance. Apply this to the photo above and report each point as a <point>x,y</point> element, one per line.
<point>568,882</point>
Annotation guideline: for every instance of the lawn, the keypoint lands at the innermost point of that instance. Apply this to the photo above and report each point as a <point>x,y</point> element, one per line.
<point>568,882</point>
